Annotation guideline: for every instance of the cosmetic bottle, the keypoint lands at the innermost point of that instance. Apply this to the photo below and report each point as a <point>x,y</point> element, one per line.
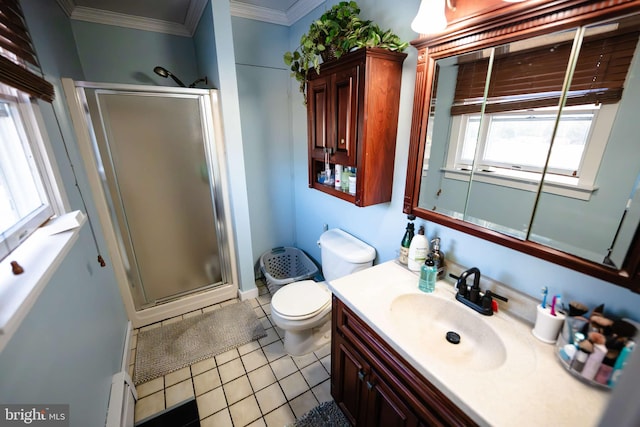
<point>418,250</point>
<point>338,178</point>
<point>428,273</point>
<point>438,257</point>
<point>406,241</point>
<point>344,179</point>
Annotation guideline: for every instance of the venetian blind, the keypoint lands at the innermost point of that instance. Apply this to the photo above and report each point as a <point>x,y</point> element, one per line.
<point>19,65</point>
<point>534,78</point>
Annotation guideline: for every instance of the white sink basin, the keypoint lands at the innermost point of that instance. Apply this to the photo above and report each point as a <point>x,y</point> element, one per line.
<point>424,320</point>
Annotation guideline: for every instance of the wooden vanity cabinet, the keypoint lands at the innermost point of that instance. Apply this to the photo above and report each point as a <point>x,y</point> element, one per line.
<point>352,120</point>
<point>374,386</point>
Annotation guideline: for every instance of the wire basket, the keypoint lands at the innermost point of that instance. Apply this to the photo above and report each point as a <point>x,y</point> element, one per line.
<point>284,265</point>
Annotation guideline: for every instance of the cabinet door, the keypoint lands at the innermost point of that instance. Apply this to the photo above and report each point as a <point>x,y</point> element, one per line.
<point>385,408</point>
<point>348,372</point>
<point>344,120</point>
<point>318,116</point>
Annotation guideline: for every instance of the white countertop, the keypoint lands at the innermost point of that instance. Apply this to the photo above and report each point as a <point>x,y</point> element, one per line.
<point>530,388</point>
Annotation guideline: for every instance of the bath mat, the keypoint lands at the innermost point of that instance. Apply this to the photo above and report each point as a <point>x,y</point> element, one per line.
<point>176,345</point>
<point>326,414</point>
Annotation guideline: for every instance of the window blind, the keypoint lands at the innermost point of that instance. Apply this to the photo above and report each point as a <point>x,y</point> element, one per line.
<point>19,65</point>
<point>534,78</point>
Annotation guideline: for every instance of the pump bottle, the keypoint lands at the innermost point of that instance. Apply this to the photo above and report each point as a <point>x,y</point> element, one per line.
<point>418,250</point>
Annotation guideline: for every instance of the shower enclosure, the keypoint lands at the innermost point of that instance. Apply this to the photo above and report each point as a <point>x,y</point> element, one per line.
<point>157,165</point>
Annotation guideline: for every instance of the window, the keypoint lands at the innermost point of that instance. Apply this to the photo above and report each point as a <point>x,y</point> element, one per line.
<point>520,140</point>
<point>24,187</point>
<point>24,202</point>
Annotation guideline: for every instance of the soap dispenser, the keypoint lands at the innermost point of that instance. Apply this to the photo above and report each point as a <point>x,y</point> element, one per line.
<point>438,257</point>
<point>418,250</point>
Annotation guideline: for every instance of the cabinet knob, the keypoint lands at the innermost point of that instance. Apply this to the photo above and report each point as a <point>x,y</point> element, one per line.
<point>370,384</point>
<point>342,141</point>
<point>361,375</point>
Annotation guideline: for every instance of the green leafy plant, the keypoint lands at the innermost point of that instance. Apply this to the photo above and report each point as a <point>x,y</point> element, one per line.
<point>338,31</point>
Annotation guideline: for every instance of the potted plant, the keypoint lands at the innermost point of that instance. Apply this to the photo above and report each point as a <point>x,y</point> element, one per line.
<point>338,31</point>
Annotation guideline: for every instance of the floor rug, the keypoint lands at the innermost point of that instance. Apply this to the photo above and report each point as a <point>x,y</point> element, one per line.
<point>176,345</point>
<point>326,414</point>
<point>184,414</point>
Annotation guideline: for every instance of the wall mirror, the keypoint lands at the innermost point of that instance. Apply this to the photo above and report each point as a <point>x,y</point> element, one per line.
<point>525,133</point>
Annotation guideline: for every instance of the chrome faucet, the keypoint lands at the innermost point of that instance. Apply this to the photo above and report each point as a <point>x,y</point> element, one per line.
<point>473,297</point>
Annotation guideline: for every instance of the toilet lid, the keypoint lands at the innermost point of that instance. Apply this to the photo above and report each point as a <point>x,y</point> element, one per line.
<point>301,299</point>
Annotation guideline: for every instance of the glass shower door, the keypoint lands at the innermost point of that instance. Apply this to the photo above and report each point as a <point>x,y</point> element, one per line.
<point>155,166</point>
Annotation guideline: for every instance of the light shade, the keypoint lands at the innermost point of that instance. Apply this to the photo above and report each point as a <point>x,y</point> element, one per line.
<point>430,18</point>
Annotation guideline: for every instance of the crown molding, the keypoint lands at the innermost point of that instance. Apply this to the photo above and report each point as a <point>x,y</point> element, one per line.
<point>67,6</point>
<point>196,8</point>
<point>288,18</point>
<point>300,9</point>
<point>258,13</point>
<point>194,13</point>
<point>106,17</point>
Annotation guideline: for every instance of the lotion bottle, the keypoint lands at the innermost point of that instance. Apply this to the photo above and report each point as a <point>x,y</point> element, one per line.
<point>418,250</point>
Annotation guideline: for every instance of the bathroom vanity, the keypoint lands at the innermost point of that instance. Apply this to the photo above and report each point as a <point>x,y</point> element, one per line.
<point>392,365</point>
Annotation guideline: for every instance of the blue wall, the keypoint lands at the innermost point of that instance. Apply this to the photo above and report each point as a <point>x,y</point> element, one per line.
<point>383,225</point>
<point>263,86</point>
<point>123,55</point>
<point>70,344</point>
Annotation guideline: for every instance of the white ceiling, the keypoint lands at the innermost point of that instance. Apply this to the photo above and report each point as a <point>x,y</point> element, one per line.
<point>180,17</point>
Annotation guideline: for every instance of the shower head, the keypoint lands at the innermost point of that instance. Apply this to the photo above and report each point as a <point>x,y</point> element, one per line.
<point>163,72</point>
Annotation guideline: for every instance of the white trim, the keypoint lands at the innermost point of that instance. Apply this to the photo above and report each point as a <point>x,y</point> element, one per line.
<point>519,180</point>
<point>126,352</point>
<point>300,9</point>
<point>245,295</point>
<point>297,11</point>
<point>106,17</point>
<point>194,13</point>
<point>67,6</point>
<point>258,13</point>
<point>40,256</point>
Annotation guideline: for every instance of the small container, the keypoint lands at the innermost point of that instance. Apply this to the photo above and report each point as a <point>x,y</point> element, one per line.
<point>428,273</point>
<point>338,179</point>
<point>344,179</point>
<point>352,185</point>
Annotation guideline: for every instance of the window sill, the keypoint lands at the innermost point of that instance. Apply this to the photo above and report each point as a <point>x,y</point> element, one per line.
<point>523,181</point>
<point>40,255</point>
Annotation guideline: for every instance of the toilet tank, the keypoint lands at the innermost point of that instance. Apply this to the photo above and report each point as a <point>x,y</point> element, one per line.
<point>343,254</point>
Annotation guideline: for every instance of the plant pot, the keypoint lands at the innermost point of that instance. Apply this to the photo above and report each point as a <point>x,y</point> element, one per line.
<point>328,54</point>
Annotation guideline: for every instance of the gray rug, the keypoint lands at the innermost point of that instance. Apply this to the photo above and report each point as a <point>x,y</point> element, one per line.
<point>176,345</point>
<point>326,414</point>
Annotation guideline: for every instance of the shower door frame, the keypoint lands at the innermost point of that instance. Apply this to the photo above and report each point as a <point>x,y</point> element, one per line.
<point>216,160</point>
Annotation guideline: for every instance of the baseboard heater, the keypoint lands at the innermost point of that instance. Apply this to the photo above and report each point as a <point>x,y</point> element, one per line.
<point>122,401</point>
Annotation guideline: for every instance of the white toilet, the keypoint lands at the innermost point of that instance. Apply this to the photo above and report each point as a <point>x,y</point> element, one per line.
<point>303,309</point>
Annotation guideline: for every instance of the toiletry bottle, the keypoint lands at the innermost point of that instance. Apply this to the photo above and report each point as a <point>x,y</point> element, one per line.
<point>338,178</point>
<point>438,257</point>
<point>406,242</point>
<point>428,273</point>
<point>418,250</point>
<point>621,361</point>
<point>344,179</point>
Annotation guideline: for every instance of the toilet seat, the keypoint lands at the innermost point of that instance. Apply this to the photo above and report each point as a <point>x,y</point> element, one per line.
<point>300,300</point>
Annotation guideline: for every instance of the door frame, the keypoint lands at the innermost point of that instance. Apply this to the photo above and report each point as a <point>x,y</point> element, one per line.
<point>214,131</point>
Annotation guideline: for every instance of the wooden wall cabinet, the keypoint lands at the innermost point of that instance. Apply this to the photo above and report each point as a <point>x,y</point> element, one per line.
<point>374,386</point>
<point>352,115</point>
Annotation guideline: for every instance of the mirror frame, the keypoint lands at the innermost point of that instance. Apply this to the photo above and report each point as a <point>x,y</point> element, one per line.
<point>497,25</point>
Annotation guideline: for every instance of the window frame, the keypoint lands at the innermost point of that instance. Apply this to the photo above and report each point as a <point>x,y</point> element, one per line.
<point>580,187</point>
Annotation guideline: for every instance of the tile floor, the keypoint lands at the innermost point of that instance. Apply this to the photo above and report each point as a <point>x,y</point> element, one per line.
<point>257,384</point>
